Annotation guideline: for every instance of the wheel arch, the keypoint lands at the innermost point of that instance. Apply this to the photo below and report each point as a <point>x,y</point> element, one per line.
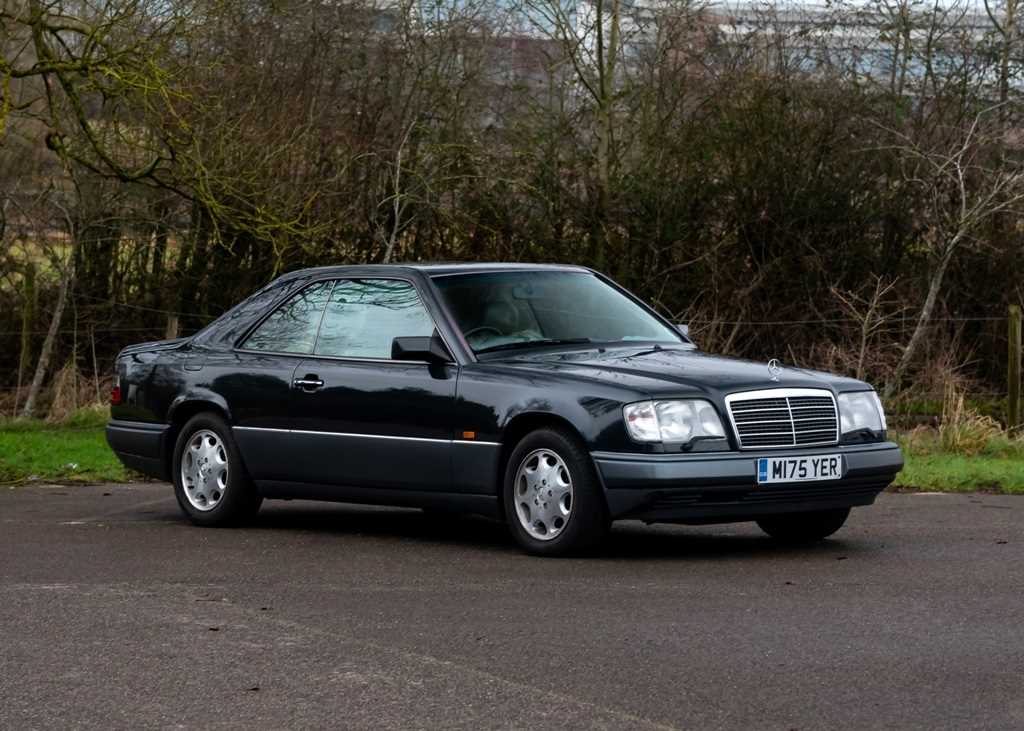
<point>523,424</point>
<point>184,409</point>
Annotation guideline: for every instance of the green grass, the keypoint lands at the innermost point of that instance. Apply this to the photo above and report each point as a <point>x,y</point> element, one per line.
<point>984,459</point>
<point>959,473</point>
<point>79,455</point>
<point>89,417</point>
<point>75,451</point>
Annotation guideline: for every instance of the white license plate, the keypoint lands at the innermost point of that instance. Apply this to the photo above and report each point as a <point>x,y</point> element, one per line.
<point>799,469</point>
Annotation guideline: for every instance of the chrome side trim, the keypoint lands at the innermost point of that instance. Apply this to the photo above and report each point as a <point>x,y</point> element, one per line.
<point>366,436</point>
<point>337,358</point>
<point>145,427</point>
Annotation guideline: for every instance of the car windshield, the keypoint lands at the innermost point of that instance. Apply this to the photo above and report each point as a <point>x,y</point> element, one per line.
<point>509,310</point>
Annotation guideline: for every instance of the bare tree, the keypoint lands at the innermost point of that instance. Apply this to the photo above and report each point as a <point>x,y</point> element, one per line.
<point>961,188</point>
<point>591,43</point>
<point>872,313</point>
<point>1005,24</point>
<point>397,202</point>
<point>86,70</point>
<point>67,275</point>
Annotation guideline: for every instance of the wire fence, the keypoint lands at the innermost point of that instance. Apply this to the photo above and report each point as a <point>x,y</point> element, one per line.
<point>693,323</point>
<point>158,331</point>
<point>853,320</point>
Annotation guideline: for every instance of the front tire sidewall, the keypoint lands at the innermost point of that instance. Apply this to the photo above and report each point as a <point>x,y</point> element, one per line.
<point>240,501</point>
<point>588,520</point>
<point>810,527</point>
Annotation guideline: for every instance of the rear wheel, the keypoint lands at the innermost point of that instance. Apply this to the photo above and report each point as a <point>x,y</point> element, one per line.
<point>804,527</point>
<point>552,498</point>
<point>210,481</point>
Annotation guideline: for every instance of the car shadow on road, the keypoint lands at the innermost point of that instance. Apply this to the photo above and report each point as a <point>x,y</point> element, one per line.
<point>401,523</point>
<point>628,540</point>
<point>634,540</point>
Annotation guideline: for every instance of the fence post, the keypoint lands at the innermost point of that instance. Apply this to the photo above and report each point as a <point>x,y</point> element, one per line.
<point>1013,370</point>
<point>172,326</point>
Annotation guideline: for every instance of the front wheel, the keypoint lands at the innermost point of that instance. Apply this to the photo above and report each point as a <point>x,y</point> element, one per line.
<point>804,527</point>
<point>210,481</point>
<point>552,498</point>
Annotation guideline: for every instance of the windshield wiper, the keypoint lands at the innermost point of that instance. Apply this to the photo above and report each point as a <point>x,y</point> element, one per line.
<point>534,343</point>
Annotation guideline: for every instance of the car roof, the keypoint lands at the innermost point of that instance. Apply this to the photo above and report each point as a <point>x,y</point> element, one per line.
<point>440,268</point>
<point>434,268</point>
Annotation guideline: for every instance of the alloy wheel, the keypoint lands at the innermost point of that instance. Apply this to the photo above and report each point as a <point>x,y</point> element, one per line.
<point>204,470</point>
<point>543,494</point>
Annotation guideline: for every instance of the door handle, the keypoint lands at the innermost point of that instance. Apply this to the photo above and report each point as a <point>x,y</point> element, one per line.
<point>309,382</point>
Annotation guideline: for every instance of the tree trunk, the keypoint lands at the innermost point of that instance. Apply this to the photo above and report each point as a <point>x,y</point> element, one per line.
<point>28,319</point>
<point>934,287</point>
<point>607,58</point>
<point>157,283</point>
<point>1009,30</point>
<point>51,338</point>
<point>192,263</point>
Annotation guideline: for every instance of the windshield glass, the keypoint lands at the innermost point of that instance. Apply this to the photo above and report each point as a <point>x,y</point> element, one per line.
<point>508,310</point>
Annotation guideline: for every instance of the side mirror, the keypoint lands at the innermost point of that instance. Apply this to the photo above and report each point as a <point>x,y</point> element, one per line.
<point>430,349</point>
<point>684,328</point>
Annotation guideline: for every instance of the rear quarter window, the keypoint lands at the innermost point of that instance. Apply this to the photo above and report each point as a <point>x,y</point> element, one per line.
<point>293,326</point>
<point>230,326</point>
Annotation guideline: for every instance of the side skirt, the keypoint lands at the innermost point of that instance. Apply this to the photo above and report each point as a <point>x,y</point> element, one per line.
<point>451,501</point>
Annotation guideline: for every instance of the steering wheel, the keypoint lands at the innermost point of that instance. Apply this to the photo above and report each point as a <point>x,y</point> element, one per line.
<point>480,328</point>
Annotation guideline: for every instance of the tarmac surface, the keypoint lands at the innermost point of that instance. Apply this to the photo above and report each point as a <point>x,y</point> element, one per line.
<point>115,612</point>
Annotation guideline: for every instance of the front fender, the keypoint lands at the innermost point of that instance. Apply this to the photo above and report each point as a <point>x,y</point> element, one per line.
<point>491,399</point>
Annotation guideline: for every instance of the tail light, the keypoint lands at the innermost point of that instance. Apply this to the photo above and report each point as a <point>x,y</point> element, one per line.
<point>115,391</point>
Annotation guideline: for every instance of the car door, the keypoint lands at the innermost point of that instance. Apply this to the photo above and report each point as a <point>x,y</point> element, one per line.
<point>256,380</point>
<point>363,419</point>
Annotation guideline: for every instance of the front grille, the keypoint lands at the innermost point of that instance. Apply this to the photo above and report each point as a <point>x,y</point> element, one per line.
<point>784,417</point>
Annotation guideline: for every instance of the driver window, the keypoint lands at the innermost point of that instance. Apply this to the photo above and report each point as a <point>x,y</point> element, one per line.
<point>364,315</point>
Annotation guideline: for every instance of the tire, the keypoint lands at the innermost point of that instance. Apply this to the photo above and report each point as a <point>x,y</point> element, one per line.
<point>221,497</point>
<point>804,527</point>
<point>540,462</point>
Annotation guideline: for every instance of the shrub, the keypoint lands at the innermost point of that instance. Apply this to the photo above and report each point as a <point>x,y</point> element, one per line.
<point>962,430</point>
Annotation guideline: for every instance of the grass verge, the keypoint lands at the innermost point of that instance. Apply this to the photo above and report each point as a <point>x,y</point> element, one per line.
<point>74,451</point>
<point>958,473</point>
<point>77,451</point>
<point>962,456</point>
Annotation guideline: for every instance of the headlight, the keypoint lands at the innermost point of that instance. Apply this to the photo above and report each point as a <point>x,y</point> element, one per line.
<point>881,409</point>
<point>672,421</point>
<point>861,410</point>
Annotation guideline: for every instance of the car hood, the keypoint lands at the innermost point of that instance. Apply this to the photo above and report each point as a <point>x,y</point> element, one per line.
<point>675,371</point>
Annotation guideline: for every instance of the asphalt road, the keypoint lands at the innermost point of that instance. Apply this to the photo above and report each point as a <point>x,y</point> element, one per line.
<point>115,612</point>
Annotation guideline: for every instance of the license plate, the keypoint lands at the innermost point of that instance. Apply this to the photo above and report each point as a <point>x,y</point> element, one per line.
<point>799,469</point>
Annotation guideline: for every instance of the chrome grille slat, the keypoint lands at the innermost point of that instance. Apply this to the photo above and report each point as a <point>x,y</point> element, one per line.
<point>784,417</point>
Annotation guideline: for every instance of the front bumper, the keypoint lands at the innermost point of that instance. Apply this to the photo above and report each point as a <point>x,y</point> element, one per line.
<point>721,487</point>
